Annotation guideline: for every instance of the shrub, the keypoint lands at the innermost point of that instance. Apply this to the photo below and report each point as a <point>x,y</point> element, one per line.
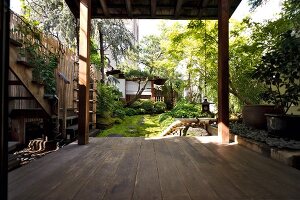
<point>148,106</point>
<point>159,107</point>
<point>183,109</point>
<point>107,99</point>
<point>120,113</point>
<point>136,104</point>
<point>130,111</point>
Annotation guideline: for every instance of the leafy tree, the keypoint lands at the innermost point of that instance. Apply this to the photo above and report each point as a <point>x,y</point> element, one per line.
<point>256,3</point>
<point>141,65</point>
<point>112,35</point>
<point>142,78</point>
<point>54,17</point>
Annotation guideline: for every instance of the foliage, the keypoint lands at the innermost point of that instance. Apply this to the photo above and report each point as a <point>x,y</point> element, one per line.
<point>256,3</point>
<point>242,65</point>
<point>159,107</point>
<point>280,71</point>
<point>146,107</point>
<point>55,18</point>
<point>138,126</point>
<point>94,55</point>
<point>184,109</point>
<point>116,37</point>
<point>40,58</point>
<point>194,51</point>
<point>108,101</point>
<point>52,17</point>
<point>130,111</point>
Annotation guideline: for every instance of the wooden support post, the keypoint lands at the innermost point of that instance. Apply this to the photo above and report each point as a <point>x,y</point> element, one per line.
<point>84,71</point>
<point>4,63</point>
<point>152,91</point>
<point>223,71</point>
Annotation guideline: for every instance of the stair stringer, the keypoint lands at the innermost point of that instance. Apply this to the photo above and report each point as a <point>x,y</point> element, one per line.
<point>24,74</point>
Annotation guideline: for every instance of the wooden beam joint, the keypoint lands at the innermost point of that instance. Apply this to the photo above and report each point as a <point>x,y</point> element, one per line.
<point>178,8</point>
<point>153,8</point>
<point>129,8</point>
<point>104,8</point>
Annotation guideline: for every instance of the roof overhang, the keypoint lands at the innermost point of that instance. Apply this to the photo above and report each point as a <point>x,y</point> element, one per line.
<point>154,9</point>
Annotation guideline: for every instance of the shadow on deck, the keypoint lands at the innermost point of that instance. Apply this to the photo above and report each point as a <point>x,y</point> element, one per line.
<point>170,168</point>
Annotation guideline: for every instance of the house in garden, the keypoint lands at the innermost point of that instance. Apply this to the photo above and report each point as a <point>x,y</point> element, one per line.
<point>129,87</point>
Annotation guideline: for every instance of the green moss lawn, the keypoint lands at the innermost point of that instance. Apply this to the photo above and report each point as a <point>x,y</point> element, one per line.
<point>138,126</point>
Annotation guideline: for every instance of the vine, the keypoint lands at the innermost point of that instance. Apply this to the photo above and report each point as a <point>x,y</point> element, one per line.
<point>34,52</point>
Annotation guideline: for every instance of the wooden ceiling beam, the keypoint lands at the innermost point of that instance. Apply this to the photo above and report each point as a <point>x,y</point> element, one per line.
<point>104,8</point>
<point>129,8</point>
<point>153,8</point>
<point>178,8</point>
<point>203,5</point>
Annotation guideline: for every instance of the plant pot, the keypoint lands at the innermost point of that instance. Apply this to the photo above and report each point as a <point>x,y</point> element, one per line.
<point>286,126</point>
<point>254,115</point>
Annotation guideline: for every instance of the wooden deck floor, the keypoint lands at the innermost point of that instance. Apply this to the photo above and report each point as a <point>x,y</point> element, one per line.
<point>171,168</point>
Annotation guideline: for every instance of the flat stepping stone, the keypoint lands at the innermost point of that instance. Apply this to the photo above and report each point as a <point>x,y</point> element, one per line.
<point>197,131</point>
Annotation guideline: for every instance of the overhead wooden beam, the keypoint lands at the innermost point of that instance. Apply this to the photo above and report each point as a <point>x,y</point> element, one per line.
<point>129,8</point>
<point>104,8</point>
<point>4,64</point>
<point>153,8</point>
<point>178,8</point>
<point>84,71</point>
<point>202,8</point>
<point>223,71</point>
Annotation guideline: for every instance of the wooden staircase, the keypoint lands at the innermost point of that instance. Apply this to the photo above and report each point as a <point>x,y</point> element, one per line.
<point>23,71</point>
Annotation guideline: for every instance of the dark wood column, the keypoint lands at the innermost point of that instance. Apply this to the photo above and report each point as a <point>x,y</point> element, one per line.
<point>223,71</point>
<point>4,60</point>
<point>84,71</point>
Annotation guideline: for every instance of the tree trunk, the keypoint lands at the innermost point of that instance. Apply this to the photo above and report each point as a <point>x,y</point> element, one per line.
<point>101,54</point>
<point>138,94</point>
<point>234,91</point>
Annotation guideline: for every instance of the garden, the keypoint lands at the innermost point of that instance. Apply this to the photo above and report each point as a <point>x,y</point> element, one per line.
<point>264,64</point>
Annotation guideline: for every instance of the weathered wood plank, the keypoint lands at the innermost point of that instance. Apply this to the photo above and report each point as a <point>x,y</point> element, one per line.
<point>169,168</point>
<point>40,172</point>
<point>258,174</point>
<point>147,186</point>
<point>171,182</point>
<point>197,186</point>
<point>214,176</point>
<point>122,184</point>
<point>95,187</point>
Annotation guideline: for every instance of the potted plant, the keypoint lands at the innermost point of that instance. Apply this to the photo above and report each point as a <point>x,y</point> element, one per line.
<point>279,70</point>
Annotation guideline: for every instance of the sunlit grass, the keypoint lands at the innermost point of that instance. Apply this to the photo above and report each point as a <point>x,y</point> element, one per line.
<point>138,126</point>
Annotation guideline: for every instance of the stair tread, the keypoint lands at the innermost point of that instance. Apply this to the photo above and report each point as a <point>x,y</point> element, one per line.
<point>72,127</point>
<point>31,113</point>
<point>15,42</point>
<point>25,63</point>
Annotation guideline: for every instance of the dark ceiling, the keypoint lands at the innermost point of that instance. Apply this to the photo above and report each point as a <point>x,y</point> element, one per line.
<point>154,9</point>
